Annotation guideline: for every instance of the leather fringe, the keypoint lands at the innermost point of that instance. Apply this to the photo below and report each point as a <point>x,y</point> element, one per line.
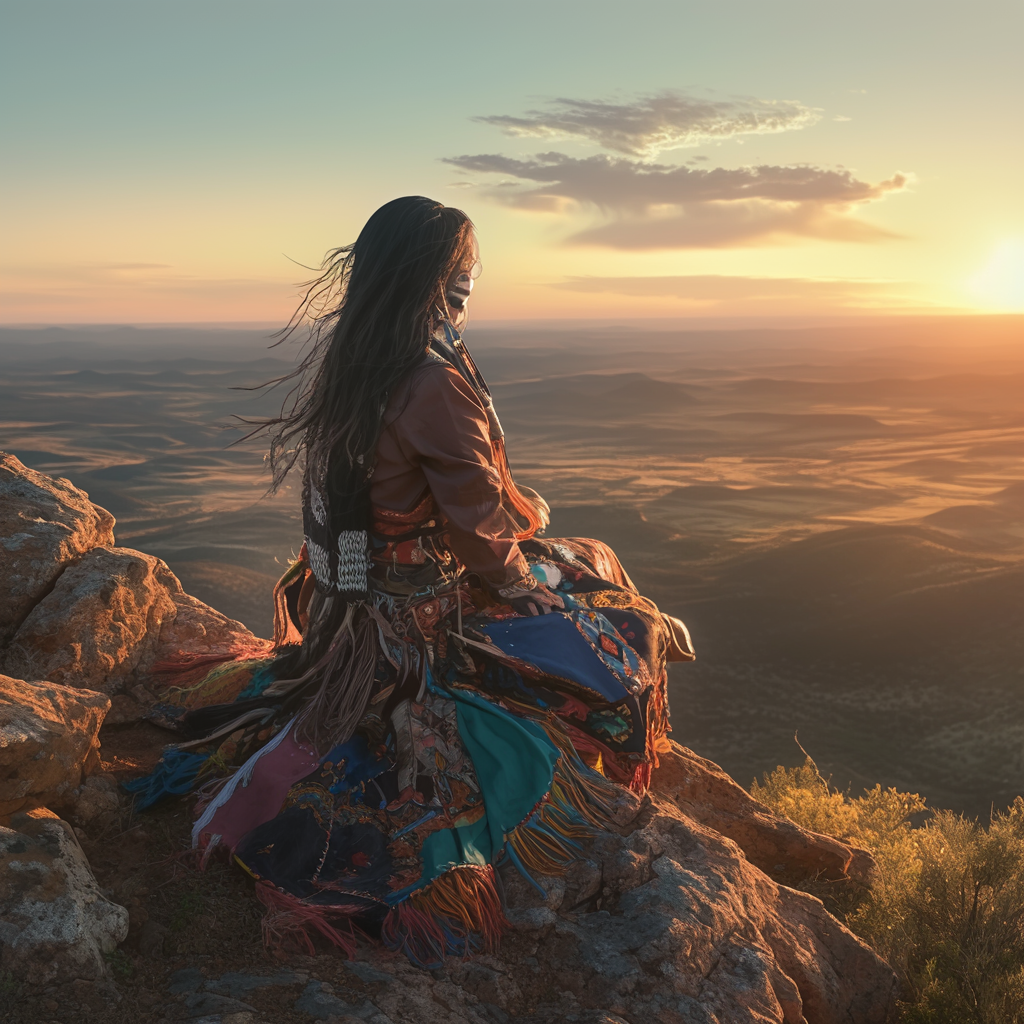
<point>345,674</point>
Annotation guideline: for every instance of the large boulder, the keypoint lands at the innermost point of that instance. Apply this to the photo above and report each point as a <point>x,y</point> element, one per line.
<point>667,920</point>
<point>81,612</point>
<point>45,524</point>
<point>197,630</point>
<point>55,924</point>
<point>49,738</point>
<point>96,624</point>
<point>111,617</point>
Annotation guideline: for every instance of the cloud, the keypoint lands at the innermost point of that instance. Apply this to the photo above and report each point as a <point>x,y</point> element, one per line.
<point>657,122</point>
<point>660,206</point>
<point>712,290</point>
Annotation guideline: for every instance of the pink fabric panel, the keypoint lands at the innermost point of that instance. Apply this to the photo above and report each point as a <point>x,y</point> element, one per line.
<point>273,775</point>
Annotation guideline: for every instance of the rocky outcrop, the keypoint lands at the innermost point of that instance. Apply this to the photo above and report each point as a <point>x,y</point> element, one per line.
<point>670,917</point>
<point>95,626</point>
<point>88,614</point>
<point>110,617</point>
<point>49,738</point>
<point>663,920</point>
<point>44,525</point>
<point>54,921</point>
<point>778,846</point>
<point>197,629</point>
<point>85,616</point>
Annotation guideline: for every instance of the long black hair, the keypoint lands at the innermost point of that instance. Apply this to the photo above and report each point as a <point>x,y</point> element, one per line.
<point>371,311</point>
<point>370,314</point>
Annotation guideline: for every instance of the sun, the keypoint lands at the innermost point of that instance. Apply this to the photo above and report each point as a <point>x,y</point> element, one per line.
<point>1000,283</point>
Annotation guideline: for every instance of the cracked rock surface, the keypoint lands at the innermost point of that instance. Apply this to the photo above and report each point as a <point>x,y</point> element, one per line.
<point>79,611</point>
<point>45,523</point>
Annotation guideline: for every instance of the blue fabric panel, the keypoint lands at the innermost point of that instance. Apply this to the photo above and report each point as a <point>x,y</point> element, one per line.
<point>556,647</point>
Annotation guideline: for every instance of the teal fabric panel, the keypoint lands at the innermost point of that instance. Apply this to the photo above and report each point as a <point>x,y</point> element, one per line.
<point>468,844</point>
<point>514,761</point>
<point>515,764</point>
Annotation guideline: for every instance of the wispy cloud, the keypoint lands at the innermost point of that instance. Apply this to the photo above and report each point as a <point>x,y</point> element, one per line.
<point>654,123</point>
<point>660,206</point>
<point>641,204</point>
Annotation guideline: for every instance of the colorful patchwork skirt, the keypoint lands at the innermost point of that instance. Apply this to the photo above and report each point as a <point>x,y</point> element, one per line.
<point>490,738</point>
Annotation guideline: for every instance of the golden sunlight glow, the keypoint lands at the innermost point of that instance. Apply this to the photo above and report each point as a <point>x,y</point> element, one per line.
<point>1000,283</point>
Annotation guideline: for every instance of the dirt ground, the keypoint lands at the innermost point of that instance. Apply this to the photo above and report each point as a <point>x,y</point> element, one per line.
<point>180,917</point>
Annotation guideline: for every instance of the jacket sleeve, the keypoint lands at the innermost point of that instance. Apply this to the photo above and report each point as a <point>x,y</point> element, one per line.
<point>443,428</point>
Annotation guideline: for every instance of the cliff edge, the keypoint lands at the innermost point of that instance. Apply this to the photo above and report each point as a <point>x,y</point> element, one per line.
<point>681,914</point>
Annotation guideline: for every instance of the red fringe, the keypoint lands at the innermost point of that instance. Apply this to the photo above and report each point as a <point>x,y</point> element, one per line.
<point>416,934</point>
<point>641,780</point>
<point>188,670</point>
<point>289,921</point>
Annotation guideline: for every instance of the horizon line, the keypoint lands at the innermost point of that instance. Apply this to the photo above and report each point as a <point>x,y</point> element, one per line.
<point>766,322</point>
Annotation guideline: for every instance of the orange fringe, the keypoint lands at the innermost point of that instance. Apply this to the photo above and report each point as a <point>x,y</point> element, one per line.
<point>551,837</point>
<point>285,630</point>
<point>458,912</point>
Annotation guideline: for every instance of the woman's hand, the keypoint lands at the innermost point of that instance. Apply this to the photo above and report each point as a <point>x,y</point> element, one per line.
<point>527,600</point>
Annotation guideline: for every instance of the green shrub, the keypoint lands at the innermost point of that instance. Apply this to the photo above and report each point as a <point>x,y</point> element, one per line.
<point>946,909</point>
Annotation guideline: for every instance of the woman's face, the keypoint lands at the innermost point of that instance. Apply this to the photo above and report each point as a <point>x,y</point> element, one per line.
<point>460,284</point>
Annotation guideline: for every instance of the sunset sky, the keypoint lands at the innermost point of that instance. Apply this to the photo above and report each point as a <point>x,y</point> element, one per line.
<point>164,162</point>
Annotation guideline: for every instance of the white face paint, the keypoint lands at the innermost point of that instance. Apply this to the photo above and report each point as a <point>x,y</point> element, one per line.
<point>460,286</point>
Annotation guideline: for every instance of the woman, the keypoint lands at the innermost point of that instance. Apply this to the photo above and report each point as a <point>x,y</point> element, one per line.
<point>447,693</point>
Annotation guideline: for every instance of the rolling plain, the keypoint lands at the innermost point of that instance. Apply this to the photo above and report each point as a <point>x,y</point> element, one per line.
<point>837,512</point>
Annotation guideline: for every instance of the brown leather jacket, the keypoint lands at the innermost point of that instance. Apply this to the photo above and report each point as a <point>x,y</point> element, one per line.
<point>435,436</point>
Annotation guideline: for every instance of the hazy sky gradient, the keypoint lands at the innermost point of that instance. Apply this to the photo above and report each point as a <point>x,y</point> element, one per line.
<point>162,161</point>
